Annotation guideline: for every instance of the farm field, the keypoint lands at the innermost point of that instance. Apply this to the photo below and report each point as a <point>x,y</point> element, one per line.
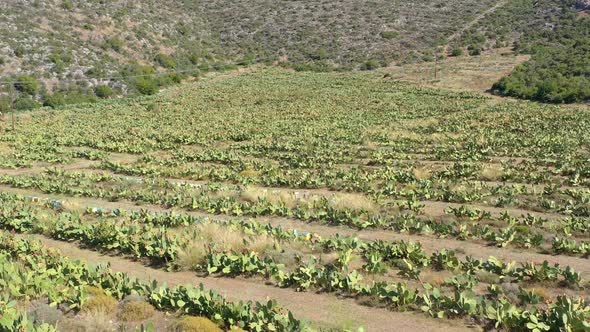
<point>273,200</point>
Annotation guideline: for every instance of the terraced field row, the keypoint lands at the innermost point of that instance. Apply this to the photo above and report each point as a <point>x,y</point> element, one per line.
<point>349,190</point>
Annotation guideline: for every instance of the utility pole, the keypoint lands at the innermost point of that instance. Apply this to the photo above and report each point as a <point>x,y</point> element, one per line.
<point>435,66</point>
<point>12,107</point>
<point>2,110</point>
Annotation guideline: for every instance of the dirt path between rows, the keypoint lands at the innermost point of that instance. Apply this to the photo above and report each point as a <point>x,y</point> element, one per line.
<point>320,309</point>
<point>429,243</point>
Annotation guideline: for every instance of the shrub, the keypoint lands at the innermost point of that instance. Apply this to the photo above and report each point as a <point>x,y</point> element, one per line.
<point>146,85</point>
<point>428,58</point>
<point>103,91</point>
<point>371,65</point>
<point>54,100</point>
<point>474,50</point>
<point>19,51</point>
<point>94,291</point>
<point>135,311</point>
<point>165,61</point>
<point>114,43</point>
<point>457,51</point>
<point>67,5</point>
<point>26,103</point>
<point>389,34</point>
<point>27,84</point>
<point>99,303</point>
<point>196,324</point>
<point>320,54</point>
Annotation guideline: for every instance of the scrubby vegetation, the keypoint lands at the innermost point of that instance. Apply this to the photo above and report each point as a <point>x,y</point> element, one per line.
<point>66,41</point>
<point>559,70</point>
<point>450,205</point>
<point>119,40</point>
<point>557,36</point>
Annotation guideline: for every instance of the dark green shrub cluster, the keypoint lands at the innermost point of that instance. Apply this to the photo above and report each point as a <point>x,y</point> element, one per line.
<point>26,103</point>
<point>457,51</point>
<point>114,43</point>
<point>559,69</point>
<point>27,85</point>
<point>389,34</point>
<point>61,98</point>
<point>555,35</point>
<point>165,61</point>
<point>103,91</point>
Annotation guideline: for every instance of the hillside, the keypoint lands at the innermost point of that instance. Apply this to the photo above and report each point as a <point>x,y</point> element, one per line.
<point>72,51</point>
<point>556,33</point>
<point>99,38</point>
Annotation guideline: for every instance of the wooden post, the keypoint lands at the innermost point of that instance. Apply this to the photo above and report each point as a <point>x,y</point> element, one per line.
<point>12,108</point>
<point>2,110</point>
<point>435,66</point>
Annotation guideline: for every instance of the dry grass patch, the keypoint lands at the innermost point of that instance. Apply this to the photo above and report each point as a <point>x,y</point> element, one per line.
<point>196,324</point>
<point>540,292</point>
<point>135,311</point>
<point>353,201</point>
<point>422,173</point>
<point>250,173</point>
<point>218,237</point>
<point>100,304</point>
<point>402,134</point>
<point>5,149</point>
<point>72,205</point>
<point>253,194</point>
<point>491,172</point>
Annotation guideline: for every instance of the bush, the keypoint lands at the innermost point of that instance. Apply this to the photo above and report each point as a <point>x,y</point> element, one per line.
<point>370,65</point>
<point>80,97</point>
<point>165,61</point>
<point>474,50</point>
<point>457,51</point>
<point>196,324</point>
<point>428,58</point>
<point>27,84</point>
<point>67,5</point>
<point>103,91</point>
<point>54,100</point>
<point>558,71</point>
<point>19,51</point>
<point>389,34</point>
<point>100,303</point>
<point>94,291</point>
<point>320,54</point>
<point>26,103</point>
<point>114,43</point>
<point>135,311</point>
<point>146,85</point>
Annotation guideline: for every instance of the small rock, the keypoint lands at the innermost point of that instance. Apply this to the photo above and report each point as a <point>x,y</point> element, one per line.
<point>43,313</point>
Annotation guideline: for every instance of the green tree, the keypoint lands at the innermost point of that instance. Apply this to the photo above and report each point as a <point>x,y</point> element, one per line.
<point>26,84</point>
